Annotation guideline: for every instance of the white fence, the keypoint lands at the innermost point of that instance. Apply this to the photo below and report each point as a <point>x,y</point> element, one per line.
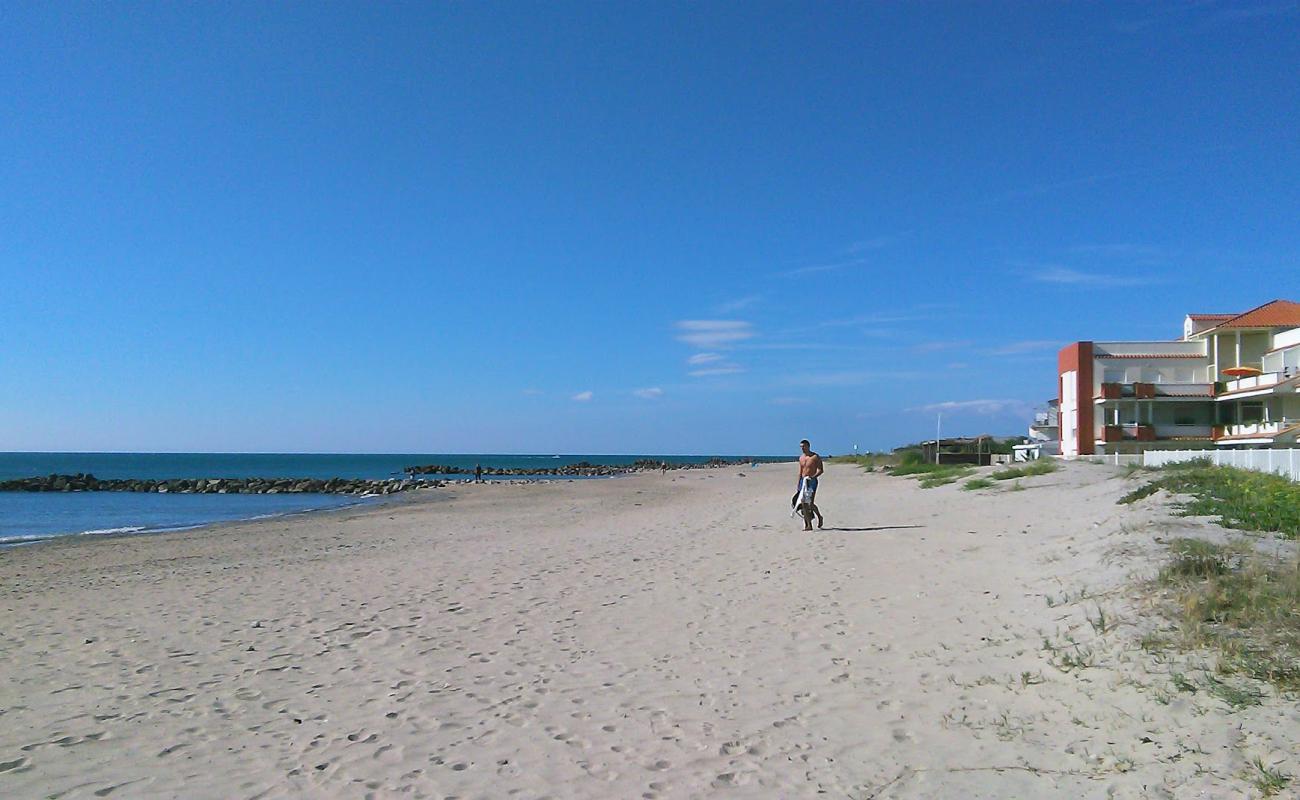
<point>1281,462</point>
<point>1115,459</point>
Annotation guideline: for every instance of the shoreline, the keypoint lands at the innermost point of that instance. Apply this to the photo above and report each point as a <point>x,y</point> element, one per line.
<point>418,485</point>
<point>659,636</point>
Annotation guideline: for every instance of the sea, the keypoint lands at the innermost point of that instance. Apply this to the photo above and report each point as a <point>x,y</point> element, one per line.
<point>29,517</point>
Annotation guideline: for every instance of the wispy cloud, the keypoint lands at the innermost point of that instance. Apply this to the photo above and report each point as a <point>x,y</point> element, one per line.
<point>714,333</point>
<point>1259,11</point>
<point>703,358</point>
<point>1127,250</point>
<point>721,369</point>
<point>1067,276</point>
<point>1049,187</point>
<point>935,347</point>
<point>649,393</point>
<point>984,407</point>
<point>1024,346</point>
<point>876,242</point>
<point>815,269</point>
<point>740,303</point>
<point>847,378</point>
<point>583,397</point>
<point>1178,16</point>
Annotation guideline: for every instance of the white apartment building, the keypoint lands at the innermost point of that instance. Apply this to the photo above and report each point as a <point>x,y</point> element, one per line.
<point>1229,382</point>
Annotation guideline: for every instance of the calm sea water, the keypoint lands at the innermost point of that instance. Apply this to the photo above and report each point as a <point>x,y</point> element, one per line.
<point>28,517</point>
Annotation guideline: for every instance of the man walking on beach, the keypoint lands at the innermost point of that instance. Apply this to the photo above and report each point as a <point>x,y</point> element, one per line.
<point>810,469</point>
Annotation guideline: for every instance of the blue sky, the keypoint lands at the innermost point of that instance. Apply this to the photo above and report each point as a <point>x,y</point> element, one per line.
<point>616,227</point>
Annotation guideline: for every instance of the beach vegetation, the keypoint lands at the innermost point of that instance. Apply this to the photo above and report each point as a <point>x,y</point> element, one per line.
<point>1042,466</point>
<point>1268,780</point>
<point>868,461</point>
<point>942,477</point>
<point>1101,624</point>
<point>1239,498</point>
<point>1075,657</point>
<point>1242,603</point>
<point>1182,683</point>
<point>930,474</point>
<point>977,483</point>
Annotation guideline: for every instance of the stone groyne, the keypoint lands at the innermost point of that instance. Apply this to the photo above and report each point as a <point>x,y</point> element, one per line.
<point>581,469</point>
<point>89,483</point>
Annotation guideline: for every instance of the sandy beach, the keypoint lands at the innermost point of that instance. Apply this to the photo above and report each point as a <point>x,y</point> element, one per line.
<point>654,636</point>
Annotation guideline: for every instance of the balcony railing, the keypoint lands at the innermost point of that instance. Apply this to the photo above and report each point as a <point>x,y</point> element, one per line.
<point>1260,428</point>
<point>1152,391</point>
<point>1184,431</point>
<point>1161,348</point>
<point>1128,433</point>
<point>1260,381</point>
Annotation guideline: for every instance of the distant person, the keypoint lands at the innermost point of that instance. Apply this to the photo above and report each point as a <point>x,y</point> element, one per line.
<point>478,473</point>
<point>810,469</point>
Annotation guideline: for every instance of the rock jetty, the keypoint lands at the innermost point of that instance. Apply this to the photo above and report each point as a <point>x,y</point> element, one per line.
<point>581,469</point>
<point>89,483</point>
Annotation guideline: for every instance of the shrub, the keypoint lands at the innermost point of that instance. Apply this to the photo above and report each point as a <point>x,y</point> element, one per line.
<point>1040,467</point>
<point>1240,498</point>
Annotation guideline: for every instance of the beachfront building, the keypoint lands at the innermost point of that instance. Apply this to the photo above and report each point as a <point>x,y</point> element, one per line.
<point>1230,381</point>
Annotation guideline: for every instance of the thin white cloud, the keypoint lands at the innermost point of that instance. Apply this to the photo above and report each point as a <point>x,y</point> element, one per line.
<point>1026,346</point>
<point>815,269</point>
<point>709,334</point>
<point>984,407</point>
<point>1139,253</point>
<point>721,369</point>
<point>934,347</point>
<point>583,397</point>
<point>703,358</point>
<point>732,306</point>
<point>649,393</point>
<point>849,377</point>
<point>875,243</point>
<point>1065,276</point>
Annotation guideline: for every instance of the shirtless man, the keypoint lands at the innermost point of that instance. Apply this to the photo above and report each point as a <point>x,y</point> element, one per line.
<point>810,467</point>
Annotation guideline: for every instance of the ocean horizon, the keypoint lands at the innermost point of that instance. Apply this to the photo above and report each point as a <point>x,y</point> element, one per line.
<point>27,517</point>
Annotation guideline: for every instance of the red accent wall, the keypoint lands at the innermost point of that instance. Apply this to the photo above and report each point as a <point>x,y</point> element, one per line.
<point>1078,356</point>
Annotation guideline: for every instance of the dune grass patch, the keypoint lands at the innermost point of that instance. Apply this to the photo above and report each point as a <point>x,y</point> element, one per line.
<point>1039,467</point>
<point>1241,603</point>
<point>930,474</point>
<point>868,461</point>
<point>1239,498</point>
<point>977,483</point>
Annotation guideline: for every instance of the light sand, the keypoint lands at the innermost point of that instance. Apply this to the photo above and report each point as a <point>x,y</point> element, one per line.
<point>649,636</point>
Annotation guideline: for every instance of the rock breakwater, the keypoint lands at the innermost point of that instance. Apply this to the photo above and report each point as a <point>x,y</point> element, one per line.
<point>89,483</point>
<point>581,469</point>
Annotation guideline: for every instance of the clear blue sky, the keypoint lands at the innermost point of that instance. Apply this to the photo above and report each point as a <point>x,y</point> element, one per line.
<point>616,227</point>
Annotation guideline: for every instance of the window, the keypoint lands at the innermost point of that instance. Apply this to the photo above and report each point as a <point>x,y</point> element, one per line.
<point>1252,412</point>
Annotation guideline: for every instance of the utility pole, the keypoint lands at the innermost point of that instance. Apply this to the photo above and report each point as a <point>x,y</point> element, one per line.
<point>938,425</point>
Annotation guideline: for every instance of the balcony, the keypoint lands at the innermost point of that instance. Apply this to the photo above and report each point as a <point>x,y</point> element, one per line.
<point>1260,429</point>
<point>1184,431</point>
<point>1264,381</point>
<point>1161,349</point>
<point>1155,391</point>
<point>1128,433</point>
